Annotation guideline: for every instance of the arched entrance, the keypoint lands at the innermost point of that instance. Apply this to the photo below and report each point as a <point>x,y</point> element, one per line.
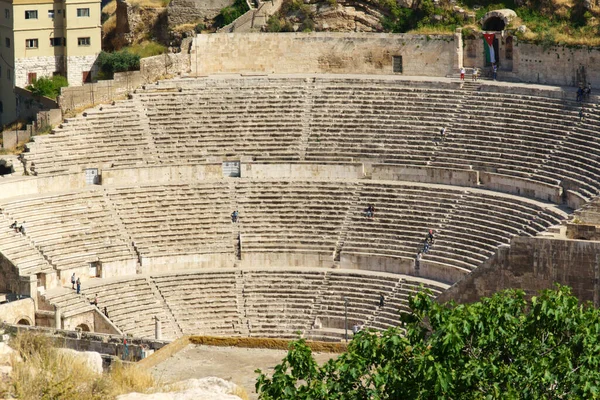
<point>24,321</point>
<point>83,328</point>
<point>494,24</point>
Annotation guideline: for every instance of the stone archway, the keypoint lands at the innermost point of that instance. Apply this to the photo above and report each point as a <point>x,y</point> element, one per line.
<point>497,20</point>
<point>83,328</point>
<point>24,320</point>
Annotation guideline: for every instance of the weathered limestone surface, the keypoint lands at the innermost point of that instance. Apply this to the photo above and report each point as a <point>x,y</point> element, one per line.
<point>323,53</point>
<point>42,66</point>
<point>20,310</point>
<point>534,264</point>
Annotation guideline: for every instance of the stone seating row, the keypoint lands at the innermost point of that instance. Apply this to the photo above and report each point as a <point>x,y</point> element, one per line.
<point>520,128</point>
<point>320,217</point>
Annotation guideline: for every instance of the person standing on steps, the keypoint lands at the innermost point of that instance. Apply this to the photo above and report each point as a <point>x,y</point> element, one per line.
<point>381,300</point>
<point>495,70</point>
<point>73,281</point>
<point>462,73</point>
<point>581,114</point>
<point>78,283</point>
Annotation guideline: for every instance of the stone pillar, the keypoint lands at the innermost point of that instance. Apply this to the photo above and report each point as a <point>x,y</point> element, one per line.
<point>157,329</point>
<point>58,318</point>
<point>28,287</point>
<point>457,63</point>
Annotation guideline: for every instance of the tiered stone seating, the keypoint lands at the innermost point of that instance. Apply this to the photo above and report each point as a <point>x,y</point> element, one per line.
<point>284,216</point>
<point>362,119</point>
<point>481,222</point>
<point>113,135</point>
<point>506,133</point>
<point>132,306</point>
<point>281,303</point>
<point>70,229</point>
<point>69,303</point>
<point>227,118</point>
<point>203,302</point>
<point>403,214</point>
<point>21,252</point>
<point>330,120</point>
<point>577,161</point>
<point>177,219</point>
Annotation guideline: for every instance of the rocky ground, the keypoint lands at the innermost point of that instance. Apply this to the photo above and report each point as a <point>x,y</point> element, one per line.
<point>233,364</point>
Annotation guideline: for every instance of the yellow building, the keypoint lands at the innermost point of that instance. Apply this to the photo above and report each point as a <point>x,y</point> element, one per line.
<point>42,38</point>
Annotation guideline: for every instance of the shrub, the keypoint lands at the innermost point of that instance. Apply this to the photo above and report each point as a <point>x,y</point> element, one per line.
<point>199,28</point>
<point>48,87</point>
<point>231,13</point>
<point>119,61</point>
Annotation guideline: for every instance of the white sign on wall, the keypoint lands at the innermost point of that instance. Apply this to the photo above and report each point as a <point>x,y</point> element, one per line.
<point>91,176</point>
<point>231,168</point>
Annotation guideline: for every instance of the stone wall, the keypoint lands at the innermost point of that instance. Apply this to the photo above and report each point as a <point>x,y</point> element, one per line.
<point>151,70</point>
<point>533,264</point>
<point>102,343</point>
<point>77,65</point>
<point>324,52</point>
<point>558,65</point>
<point>19,310</point>
<point>42,66</point>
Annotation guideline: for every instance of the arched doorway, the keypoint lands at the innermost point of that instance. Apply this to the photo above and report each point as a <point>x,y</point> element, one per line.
<point>83,328</point>
<point>24,321</point>
<point>494,24</point>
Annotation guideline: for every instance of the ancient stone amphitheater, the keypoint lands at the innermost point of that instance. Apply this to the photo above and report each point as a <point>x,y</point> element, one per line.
<point>154,238</point>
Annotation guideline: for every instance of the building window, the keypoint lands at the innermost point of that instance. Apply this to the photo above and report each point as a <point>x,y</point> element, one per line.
<point>31,77</point>
<point>31,14</point>
<point>397,64</point>
<point>57,41</point>
<point>7,41</point>
<point>6,13</point>
<point>31,43</point>
<point>51,14</point>
<point>83,41</point>
<point>83,12</point>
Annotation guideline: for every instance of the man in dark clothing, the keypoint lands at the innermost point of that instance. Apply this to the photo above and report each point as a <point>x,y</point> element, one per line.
<point>381,300</point>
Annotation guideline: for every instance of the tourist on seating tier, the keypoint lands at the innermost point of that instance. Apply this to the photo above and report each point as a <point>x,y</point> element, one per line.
<point>234,216</point>
<point>78,283</point>
<point>494,70</point>
<point>581,114</point>
<point>587,91</point>
<point>22,228</point>
<point>430,236</point>
<point>370,211</point>
<point>425,246</point>
<point>95,301</point>
<point>381,300</point>
<point>580,93</point>
<point>418,259</point>
<point>73,281</point>
<point>105,312</point>
<point>462,73</point>
<point>475,73</point>
<point>14,226</point>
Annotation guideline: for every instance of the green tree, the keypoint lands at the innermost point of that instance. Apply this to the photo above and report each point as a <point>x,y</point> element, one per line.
<point>119,61</point>
<point>48,87</point>
<point>502,347</point>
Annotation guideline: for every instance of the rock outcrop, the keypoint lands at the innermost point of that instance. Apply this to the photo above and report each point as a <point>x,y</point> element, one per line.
<point>192,389</point>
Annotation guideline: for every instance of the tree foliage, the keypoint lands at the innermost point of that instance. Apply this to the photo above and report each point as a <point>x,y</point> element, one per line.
<point>231,13</point>
<point>119,61</point>
<point>48,87</point>
<point>503,347</point>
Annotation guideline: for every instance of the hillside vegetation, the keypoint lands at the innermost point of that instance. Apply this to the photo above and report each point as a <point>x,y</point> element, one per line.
<point>569,22</point>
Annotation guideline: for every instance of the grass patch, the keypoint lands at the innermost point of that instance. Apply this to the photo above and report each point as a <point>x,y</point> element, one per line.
<point>146,48</point>
<point>110,8</point>
<point>266,343</point>
<point>46,373</point>
<point>109,25</point>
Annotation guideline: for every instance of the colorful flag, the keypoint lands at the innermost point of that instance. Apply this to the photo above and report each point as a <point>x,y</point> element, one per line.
<point>488,44</point>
